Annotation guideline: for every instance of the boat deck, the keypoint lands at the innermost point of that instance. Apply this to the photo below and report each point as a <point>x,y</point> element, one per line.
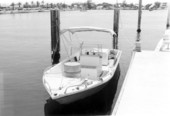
<point>146,89</point>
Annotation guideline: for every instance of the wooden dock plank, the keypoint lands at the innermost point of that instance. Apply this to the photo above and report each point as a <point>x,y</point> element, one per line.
<point>145,91</point>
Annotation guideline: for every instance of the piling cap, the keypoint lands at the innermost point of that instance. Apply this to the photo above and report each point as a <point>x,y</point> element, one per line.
<point>138,46</point>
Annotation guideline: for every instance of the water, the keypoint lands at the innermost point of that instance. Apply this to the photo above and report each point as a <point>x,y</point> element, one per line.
<point>25,53</point>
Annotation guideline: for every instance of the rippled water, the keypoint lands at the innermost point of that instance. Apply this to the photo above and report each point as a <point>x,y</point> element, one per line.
<point>25,53</point>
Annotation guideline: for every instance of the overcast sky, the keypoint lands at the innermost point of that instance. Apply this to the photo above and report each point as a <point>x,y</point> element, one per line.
<point>71,1</point>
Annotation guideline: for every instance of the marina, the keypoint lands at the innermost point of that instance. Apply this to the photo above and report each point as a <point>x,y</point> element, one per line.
<point>22,90</point>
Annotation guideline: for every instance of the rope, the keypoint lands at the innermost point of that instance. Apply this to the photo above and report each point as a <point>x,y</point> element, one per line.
<point>54,51</point>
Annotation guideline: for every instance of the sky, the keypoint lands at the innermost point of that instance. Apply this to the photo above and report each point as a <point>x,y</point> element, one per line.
<point>144,2</point>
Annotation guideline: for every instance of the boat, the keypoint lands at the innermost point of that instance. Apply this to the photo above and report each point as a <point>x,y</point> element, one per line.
<point>43,10</point>
<point>24,11</point>
<point>84,72</point>
<point>164,43</point>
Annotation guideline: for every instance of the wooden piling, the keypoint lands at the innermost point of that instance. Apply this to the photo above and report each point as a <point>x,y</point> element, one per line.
<point>55,36</point>
<point>116,28</point>
<point>139,16</point>
<point>168,17</point>
<point>138,43</point>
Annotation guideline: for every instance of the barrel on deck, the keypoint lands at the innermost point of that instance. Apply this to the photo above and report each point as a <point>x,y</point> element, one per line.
<point>72,69</point>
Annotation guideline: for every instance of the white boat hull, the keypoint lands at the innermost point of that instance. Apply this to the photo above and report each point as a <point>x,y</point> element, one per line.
<point>85,94</point>
<point>75,96</point>
<point>83,73</point>
<point>80,95</point>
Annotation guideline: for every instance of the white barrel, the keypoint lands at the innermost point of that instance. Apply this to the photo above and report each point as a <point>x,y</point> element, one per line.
<point>72,69</point>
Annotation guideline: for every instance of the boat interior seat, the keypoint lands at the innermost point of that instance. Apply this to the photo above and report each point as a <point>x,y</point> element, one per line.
<point>91,65</point>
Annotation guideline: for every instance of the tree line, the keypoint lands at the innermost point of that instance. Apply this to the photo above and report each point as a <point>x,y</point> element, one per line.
<point>86,5</point>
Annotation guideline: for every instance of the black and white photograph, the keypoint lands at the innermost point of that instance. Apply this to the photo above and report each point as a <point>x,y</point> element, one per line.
<point>84,57</point>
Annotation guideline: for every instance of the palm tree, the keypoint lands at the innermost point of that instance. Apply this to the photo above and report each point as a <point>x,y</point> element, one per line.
<point>42,4</point>
<point>38,4</point>
<point>13,4</point>
<point>19,4</point>
<point>47,4</point>
<point>26,5</point>
<point>51,5</point>
<point>32,4</point>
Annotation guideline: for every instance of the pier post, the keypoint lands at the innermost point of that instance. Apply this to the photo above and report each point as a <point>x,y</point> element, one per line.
<point>55,36</point>
<point>139,16</point>
<point>116,28</point>
<point>138,43</point>
<point>168,17</point>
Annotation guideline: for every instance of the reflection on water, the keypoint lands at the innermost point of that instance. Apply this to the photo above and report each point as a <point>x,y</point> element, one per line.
<point>97,104</point>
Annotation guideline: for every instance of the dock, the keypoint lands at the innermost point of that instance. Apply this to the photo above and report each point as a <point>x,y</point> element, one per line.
<point>146,88</point>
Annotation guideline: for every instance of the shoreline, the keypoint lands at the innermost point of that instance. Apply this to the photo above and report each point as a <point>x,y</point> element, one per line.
<point>22,11</point>
<point>46,10</point>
